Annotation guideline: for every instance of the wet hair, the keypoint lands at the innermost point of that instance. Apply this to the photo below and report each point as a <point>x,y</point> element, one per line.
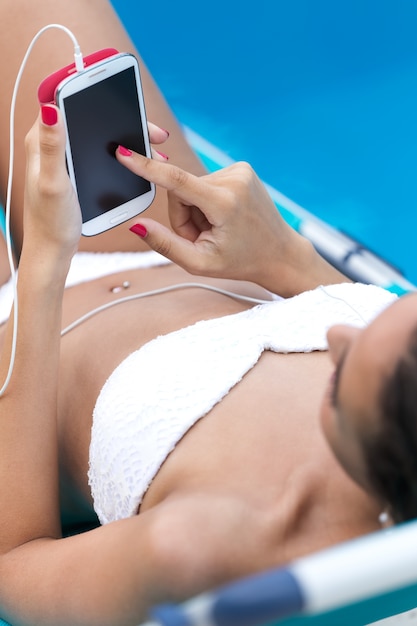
<point>391,450</point>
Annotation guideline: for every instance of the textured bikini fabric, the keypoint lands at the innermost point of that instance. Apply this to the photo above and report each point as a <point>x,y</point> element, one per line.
<point>157,393</point>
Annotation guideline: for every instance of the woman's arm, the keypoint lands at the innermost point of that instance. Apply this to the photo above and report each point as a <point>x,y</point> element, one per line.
<point>115,574</point>
<point>226,225</point>
<point>28,445</point>
<point>45,579</point>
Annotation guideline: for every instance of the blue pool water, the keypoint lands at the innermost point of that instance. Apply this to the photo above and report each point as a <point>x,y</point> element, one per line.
<point>321,98</point>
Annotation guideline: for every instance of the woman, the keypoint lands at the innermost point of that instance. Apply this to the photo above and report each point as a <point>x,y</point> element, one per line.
<point>256,471</point>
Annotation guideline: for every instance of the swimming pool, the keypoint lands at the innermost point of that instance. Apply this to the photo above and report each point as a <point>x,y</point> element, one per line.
<point>320,97</point>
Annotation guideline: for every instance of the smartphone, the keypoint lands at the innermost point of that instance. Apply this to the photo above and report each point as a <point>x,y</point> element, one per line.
<point>103,107</point>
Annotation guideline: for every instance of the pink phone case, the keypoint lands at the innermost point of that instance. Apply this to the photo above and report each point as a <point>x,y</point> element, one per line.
<point>47,88</point>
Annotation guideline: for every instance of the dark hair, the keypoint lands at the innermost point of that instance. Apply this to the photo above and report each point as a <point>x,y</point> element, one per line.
<point>391,451</point>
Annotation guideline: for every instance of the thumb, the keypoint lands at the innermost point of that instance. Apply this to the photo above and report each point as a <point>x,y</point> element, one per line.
<point>52,145</point>
<point>46,170</point>
<point>170,245</point>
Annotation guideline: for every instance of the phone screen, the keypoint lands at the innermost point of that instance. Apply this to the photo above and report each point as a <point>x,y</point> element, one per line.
<point>99,118</point>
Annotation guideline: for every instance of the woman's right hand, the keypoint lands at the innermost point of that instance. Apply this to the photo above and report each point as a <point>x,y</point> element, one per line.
<point>224,225</point>
<point>52,217</point>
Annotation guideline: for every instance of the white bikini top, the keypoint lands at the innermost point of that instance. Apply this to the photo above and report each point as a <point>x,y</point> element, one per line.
<point>157,393</point>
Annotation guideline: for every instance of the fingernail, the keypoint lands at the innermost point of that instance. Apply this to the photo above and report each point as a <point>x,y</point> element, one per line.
<point>161,154</point>
<point>124,151</point>
<point>166,131</point>
<point>138,229</point>
<point>49,115</point>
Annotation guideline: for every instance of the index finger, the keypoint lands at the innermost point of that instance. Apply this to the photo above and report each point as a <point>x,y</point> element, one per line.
<point>187,187</point>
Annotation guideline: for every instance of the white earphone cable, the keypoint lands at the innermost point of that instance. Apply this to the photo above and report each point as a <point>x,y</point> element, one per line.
<point>156,292</point>
<point>79,67</point>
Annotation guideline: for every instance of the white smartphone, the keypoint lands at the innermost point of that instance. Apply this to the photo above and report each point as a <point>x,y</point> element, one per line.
<point>103,107</point>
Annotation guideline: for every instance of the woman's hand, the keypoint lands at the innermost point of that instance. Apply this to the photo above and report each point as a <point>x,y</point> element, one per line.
<point>52,217</point>
<point>226,225</point>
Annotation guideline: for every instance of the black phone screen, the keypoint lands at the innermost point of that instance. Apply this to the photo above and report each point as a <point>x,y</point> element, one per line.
<point>99,118</point>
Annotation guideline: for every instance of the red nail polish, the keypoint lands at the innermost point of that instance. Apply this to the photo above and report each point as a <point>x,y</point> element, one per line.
<point>49,115</point>
<point>124,151</point>
<point>161,154</point>
<point>138,229</point>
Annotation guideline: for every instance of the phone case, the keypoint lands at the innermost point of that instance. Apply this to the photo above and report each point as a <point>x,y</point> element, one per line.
<point>47,88</point>
<point>103,206</point>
